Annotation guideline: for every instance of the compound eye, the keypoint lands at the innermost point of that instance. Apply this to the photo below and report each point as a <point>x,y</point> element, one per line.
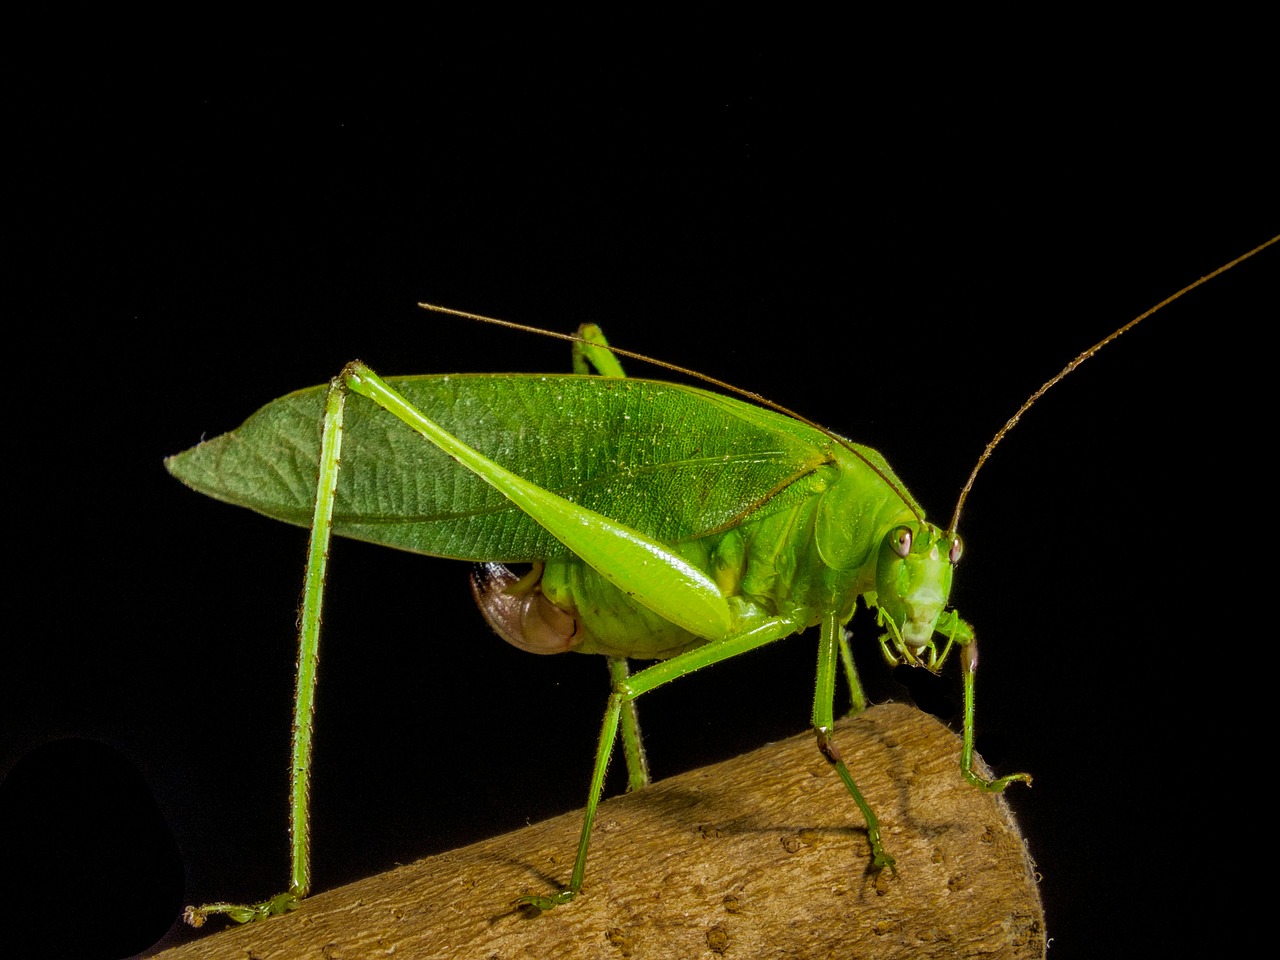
<point>901,540</point>
<point>957,548</point>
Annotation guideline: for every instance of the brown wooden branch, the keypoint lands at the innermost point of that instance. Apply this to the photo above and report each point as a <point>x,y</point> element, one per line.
<point>761,856</point>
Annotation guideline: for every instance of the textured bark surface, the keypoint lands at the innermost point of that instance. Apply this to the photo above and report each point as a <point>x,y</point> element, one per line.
<point>761,856</point>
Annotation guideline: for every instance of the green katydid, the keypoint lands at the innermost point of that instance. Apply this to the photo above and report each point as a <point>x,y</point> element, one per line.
<point>702,527</point>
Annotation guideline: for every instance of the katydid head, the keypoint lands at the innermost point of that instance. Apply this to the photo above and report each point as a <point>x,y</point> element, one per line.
<point>913,579</point>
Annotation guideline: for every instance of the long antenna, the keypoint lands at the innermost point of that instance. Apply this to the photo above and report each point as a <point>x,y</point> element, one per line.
<point>1044,388</point>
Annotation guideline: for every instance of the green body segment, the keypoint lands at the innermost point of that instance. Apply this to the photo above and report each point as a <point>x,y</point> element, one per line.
<point>783,519</point>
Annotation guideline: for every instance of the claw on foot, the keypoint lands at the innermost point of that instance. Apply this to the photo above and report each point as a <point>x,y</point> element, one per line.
<point>880,860</point>
<point>242,913</point>
<point>539,904</point>
<point>998,785</point>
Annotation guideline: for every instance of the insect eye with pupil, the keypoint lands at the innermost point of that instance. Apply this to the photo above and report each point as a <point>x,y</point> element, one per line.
<point>902,541</point>
<point>957,548</point>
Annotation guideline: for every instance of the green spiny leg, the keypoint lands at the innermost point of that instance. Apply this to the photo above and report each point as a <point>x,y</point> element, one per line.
<point>632,745</point>
<point>625,691</point>
<point>823,719</point>
<point>305,686</point>
<point>595,353</point>
<point>858,699</point>
<point>604,749</point>
<point>586,356</point>
<point>960,632</point>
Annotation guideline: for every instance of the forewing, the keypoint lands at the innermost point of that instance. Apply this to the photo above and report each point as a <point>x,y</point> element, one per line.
<point>673,462</point>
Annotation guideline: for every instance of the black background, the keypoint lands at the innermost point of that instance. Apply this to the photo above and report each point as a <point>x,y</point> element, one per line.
<point>904,267</point>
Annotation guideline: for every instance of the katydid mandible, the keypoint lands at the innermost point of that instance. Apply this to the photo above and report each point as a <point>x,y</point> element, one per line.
<point>703,527</point>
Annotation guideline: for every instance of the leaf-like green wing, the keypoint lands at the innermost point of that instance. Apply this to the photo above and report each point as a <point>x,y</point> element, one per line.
<point>673,462</point>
